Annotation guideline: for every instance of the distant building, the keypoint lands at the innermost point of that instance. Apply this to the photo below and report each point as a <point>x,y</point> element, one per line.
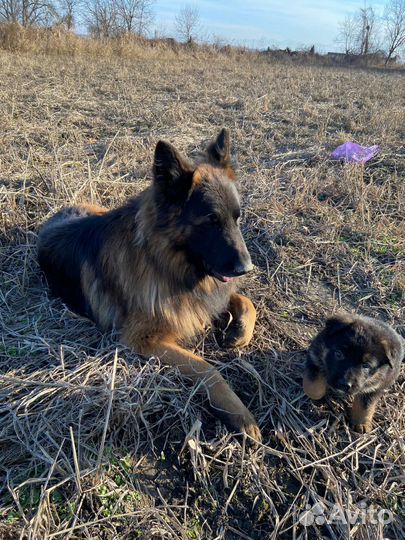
<point>377,57</point>
<point>341,57</point>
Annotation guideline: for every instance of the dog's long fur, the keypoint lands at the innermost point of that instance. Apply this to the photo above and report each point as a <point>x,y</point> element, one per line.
<point>356,357</point>
<point>158,267</point>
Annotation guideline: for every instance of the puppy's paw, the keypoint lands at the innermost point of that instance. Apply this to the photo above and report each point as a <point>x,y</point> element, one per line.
<point>362,428</point>
<point>315,389</point>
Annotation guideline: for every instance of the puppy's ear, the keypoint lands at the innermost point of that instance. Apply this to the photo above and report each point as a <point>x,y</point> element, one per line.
<point>219,152</point>
<point>173,173</point>
<point>338,323</point>
<point>389,353</point>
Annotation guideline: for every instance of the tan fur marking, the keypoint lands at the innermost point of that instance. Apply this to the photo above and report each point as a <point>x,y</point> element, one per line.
<point>315,389</point>
<point>197,178</point>
<point>93,208</point>
<point>361,415</point>
<point>205,172</point>
<point>230,173</point>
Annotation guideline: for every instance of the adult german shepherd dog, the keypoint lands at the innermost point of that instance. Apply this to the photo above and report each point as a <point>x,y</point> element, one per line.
<point>162,267</point>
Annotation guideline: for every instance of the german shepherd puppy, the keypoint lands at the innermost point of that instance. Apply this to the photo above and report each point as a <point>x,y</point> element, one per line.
<point>355,357</point>
<point>162,267</point>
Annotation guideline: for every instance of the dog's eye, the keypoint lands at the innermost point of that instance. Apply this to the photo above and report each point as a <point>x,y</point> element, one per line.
<point>214,219</point>
<point>366,366</point>
<point>339,355</point>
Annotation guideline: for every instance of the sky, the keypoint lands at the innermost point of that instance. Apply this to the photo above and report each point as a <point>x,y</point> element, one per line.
<point>261,23</point>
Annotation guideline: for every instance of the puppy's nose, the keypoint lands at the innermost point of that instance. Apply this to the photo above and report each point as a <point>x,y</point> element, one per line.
<point>345,386</point>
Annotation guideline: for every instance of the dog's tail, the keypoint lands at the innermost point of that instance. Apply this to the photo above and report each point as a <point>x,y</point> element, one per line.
<point>71,212</point>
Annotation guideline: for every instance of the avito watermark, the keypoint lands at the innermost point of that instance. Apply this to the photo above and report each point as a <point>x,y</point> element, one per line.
<point>320,514</point>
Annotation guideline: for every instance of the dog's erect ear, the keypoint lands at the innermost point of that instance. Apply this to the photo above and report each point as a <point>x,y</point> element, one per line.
<point>338,323</point>
<point>219,151</point>
<point>173,173</point>
<point>389,353</point>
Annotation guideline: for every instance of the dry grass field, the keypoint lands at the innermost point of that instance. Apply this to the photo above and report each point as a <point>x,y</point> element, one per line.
<point>97,443</point>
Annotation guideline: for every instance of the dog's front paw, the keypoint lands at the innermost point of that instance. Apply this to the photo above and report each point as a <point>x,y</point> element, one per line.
<point>236,336</point>
<point>246,423</point>
<point>253,431</point>
<point>242,422</point>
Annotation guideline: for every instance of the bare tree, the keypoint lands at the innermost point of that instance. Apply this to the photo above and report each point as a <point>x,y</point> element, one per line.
<point>27,12</point>
<point>367,23</point>
<point>127,12</point>
<point>394,27</point>
<point>135,15</point>
<point>10,11</point>
<point>101,18</point>
<point>67,10</point>
<point>358,33</point>
<point>348,33</point>
<point>145,16</point>
<point>187,23</point>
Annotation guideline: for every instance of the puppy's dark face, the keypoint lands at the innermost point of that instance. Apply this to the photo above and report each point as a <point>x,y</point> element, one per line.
<point>356,357</point>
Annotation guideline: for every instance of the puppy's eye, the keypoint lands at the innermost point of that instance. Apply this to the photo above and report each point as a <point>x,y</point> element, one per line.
<point>366,365</point>
<point>214,219</point>
<point>339,355</point>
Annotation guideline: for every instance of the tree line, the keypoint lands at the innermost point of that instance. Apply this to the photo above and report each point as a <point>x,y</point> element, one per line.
<point>360,33</point>
<point>99,18</point>
<point>364,32</point>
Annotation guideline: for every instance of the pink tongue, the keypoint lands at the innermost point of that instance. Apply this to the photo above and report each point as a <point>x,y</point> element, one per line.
<point>227,279</point>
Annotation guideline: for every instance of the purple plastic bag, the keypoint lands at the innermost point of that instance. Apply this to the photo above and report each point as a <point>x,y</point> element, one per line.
<point>354,153</point>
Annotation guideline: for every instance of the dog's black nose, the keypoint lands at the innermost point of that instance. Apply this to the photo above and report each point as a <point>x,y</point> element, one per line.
<point>241,269</point>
